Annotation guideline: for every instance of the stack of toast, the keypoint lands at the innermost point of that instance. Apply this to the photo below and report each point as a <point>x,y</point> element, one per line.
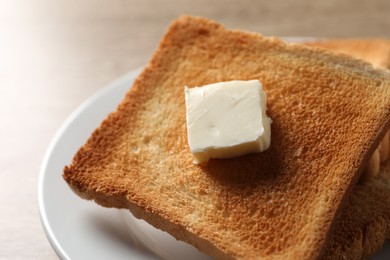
<point>298,199</point>
<point>364,223</point>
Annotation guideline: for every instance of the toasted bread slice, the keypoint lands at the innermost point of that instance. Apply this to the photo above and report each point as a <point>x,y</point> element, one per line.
<point>376,51</point>
<point>364,224</point>
<point>329,112</point>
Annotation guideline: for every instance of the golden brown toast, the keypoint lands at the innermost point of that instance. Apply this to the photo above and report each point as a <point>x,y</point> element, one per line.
<point>329,113</point>
<point>364,224</point>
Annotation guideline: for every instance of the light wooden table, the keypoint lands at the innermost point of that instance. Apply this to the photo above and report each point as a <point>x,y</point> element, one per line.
<point>55,54</point>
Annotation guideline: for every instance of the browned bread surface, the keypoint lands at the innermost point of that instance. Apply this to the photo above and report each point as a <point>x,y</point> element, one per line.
<point>364,224</point>
<point>329,112</point>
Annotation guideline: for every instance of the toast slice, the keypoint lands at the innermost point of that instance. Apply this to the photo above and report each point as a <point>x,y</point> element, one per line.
<point>364,223</point>
<point>376,51</point>
<point>329,112</point>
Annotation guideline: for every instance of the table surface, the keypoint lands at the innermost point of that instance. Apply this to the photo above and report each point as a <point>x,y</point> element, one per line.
<point>55,54</point>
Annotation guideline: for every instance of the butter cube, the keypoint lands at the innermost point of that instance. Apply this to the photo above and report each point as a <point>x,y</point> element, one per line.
<point>227,119</point>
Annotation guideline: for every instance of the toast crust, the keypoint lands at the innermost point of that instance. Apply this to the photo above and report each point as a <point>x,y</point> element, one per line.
<point>275,205</point>
<point>364,224</point>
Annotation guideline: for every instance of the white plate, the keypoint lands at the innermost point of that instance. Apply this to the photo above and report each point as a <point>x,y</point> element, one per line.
<point>79,229</point>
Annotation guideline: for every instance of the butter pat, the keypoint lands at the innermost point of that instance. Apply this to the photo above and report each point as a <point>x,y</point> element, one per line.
<point>227,119</point>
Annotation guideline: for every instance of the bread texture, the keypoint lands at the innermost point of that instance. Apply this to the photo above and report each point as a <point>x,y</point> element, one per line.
<point>329,112</point>
<point>364,223</point>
